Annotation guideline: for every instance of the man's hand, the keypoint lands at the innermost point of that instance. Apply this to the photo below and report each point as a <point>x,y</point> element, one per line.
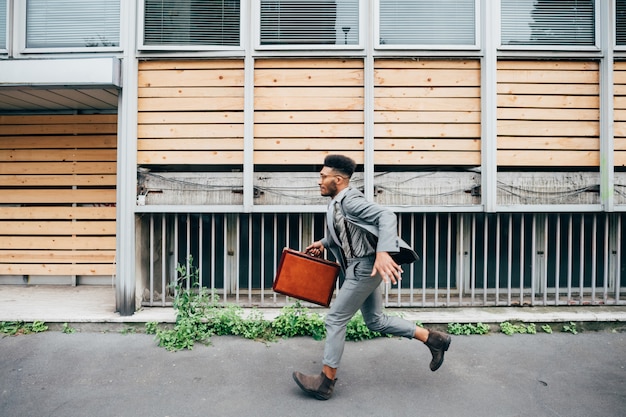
<point>388,269</point>
<point>315,249</point>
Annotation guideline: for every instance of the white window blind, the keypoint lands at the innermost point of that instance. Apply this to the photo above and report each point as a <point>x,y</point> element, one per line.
<point>72,23</point>
<point>548,22</point>
<point>314,22</point>
<point>620,22</point>
<point>3,24</point>
<point>192,22</point>
<point>427,22</point>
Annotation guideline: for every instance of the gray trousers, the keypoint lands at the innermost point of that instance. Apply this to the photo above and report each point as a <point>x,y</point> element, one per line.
<point>359,291</point>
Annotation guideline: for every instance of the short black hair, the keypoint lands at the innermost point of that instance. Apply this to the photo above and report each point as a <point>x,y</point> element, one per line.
<point>340,163</point>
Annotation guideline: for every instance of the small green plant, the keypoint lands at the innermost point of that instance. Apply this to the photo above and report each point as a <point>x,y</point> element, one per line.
<point>357,330</point>
<point>468,328</point>
<point>509,329</point>
<point>570,328</point>
<point>67,329</point>
<point>128,330</point>
<point>151,327</point>
<point>13,328</point>
<point>546,328</point>
<point>296,320</point>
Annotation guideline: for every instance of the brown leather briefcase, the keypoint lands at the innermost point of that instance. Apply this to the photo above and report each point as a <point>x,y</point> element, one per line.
<point>306,277</point>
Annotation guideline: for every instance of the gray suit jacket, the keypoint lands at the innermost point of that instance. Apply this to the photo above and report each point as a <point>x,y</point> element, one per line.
<point>377,220</point>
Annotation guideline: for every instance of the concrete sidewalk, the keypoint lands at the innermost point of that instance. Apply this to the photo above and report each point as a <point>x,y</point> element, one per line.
<point>91,304</point>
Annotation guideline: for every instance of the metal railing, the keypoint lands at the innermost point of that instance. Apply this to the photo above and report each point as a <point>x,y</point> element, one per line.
<point>468,259</point>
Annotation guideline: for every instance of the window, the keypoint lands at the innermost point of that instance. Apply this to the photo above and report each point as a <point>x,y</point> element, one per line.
<point>427,23</point>
<point>3,25</point>
<point>548,22</point>
<point>72,23</point>
<point>314,22</point>
<point>620,22</point>
<point>192,22</point>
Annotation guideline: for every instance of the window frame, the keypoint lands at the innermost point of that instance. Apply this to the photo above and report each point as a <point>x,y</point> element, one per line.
<point>141,23</point>
<point>360,45</point>
<point>616,47</point>
<point>435,47</point>
<point>561,48</point>
<point>4,49</point>
<point>22,23</point>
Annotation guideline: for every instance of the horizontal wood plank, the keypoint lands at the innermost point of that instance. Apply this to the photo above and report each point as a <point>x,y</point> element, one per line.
<point>427,130</point>
<point>37,168</point>
<point>57,228</point>
<point>170,131</point>
<point>57,212</point>
<point>186,92</point>
<point>551,102</point>
<point>191,78</point>
<point>190,104</point>
<point>427,63</point>
<point>541,76</point>
<point>619,144</point>
<point>401,116</point>
<point>80,129</point>
<point>190,64</point>
<point>619,159</point>
<point>560,65</point>
<point>548,143</point>
<point>548,128</point>
<point>355,116</point>
<point>306,63</point>
<point>551,159</point>
<point>306,144</point>
<point>302,157</point>
<point>316,92</point>
<point>58,242</point>
<point>59,142</point>
<point>428,104</point>
<point>514,113</point>
<point>309,77</point>
<point>427,158</point>
<point>32,155</point>
<point>176,117</point>
<point>308,130</point>
<point>58,119</point>
<point>427,145</point>
<point>419,92</point>
<point>57,256</point>
<point>190,144</point>
<point>58,180</point>
<point>213,157</point>
<point>57,269</point>
<point>307,103</point>
<point>549,89</point>
<point>51,196</point>
<point>427,78</point>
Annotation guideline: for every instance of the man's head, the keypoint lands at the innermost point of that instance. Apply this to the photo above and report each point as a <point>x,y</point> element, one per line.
<point>335,175</point>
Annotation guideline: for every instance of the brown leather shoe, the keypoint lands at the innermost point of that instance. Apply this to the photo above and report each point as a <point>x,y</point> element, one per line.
<point>319,386</point>
<point>438,343</point>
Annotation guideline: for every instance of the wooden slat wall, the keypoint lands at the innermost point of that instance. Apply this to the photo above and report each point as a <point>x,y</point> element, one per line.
<point>619,125</point>
<point>307,108</point>
<point>190,112</point>
<point>548,114</point>
<point>427,112</point>
<point>57,194</point>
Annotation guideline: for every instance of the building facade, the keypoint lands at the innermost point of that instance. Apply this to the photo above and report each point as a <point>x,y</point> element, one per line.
<point>156,143</point>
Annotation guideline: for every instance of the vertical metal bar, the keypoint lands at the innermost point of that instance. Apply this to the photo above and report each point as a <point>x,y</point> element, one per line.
<point>533,257</point>
<point>176,260</point>
<point>412,266</point>
<point>200,250</point>
<point>213,255</point>
<point>582,258</point>
<point>163,263</point>
<point>498,244</point>
<point>607,234</point>
<point>250,246</point>
<point>436,259</point>
<point>424,245</point>
<point>275,243</point>
<point>594,260</point>
<point>473,261</point>
<point>151,269</point>
<point>521,257</point>
<point>227,272</point>
<point>188,254</point>
<point>618,259</point>
<point>262,261</point>
<point>546,256</point>
<point>510,261</point>
<point>399,286</point>
<point>570,256</point>
<point>238,254</point>
<point>448,260</point>
<point>461,280</point>
<point>485,260</point>
<point>557,266</point>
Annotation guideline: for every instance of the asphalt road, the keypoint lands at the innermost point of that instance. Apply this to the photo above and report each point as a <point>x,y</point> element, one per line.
<point>112,374</point>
